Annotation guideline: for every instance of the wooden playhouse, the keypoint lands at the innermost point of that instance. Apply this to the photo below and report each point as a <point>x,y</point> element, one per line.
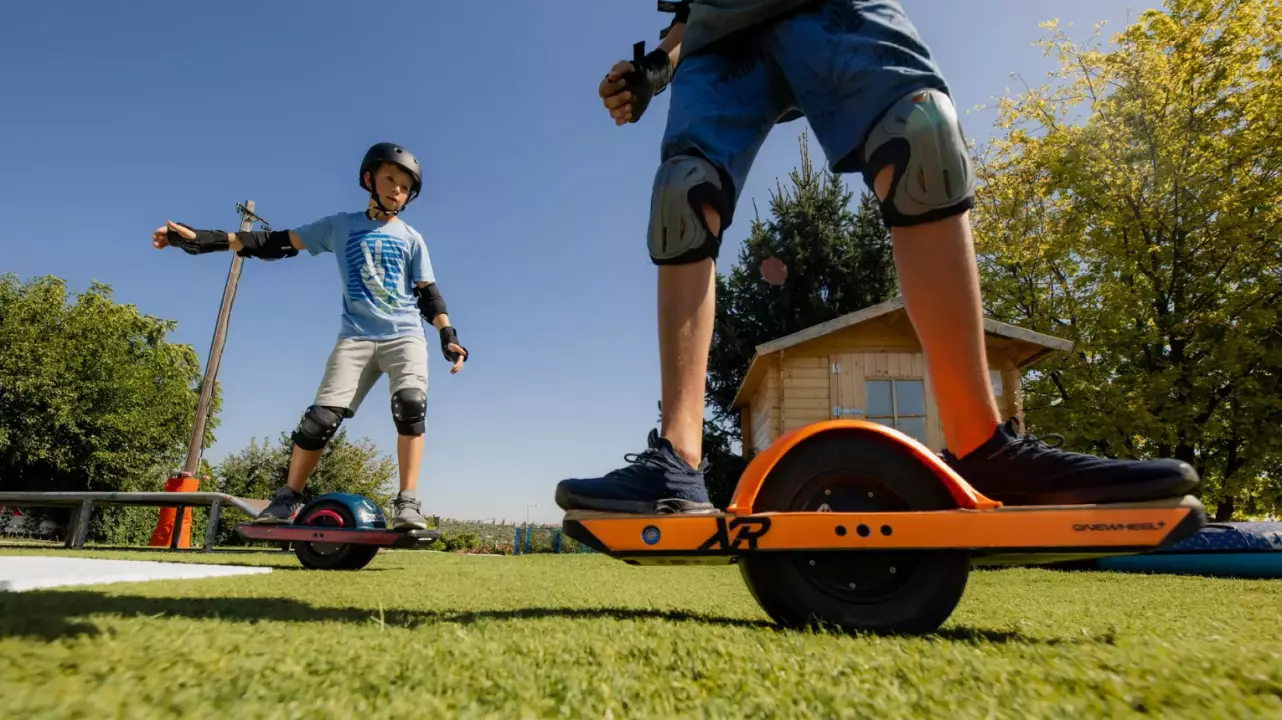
<point>868,365</point>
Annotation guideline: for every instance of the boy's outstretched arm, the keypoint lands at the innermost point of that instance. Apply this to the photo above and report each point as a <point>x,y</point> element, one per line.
<point>432,307</point>
<point>268,245</point>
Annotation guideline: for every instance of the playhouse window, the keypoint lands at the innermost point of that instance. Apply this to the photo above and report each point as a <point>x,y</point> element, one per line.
<point>899,403</point>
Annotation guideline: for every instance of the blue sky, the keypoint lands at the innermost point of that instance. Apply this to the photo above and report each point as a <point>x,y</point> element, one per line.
<point>120,116</point>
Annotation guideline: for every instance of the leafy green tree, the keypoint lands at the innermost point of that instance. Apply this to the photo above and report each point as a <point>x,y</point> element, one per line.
<point>92,397</point>
<point>1133,205</point>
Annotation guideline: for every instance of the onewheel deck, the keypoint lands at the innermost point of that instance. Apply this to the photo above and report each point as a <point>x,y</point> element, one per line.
<point>995,536</point>
<point>337,536</point>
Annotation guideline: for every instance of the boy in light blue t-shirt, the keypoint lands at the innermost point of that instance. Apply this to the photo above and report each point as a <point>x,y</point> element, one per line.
<point>388,289</point>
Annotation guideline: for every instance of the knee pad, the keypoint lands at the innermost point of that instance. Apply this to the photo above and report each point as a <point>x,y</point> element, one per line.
<point>318,425</point>
<point>409,411</point>
<point>921,137</point>
<point>678,233</point>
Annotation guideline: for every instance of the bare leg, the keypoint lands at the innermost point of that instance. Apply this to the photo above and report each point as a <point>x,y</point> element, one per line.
<point>940,280</point>
<point>301,464</point>
<point>656,481</point>
<point>687,315</point>
<point>408,511</point>
<point>409,456</point>
<point>940,283</point>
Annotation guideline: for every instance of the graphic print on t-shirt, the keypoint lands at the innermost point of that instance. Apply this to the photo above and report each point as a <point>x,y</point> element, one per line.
<point>375,268</point>
<point>379,263</point>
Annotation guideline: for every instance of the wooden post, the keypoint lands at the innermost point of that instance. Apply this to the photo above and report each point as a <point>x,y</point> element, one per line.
<point>194,448</point>
<point>173,525</point>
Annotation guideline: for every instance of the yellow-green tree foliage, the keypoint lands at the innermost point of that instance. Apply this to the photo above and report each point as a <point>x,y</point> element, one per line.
<point>1133,205</point>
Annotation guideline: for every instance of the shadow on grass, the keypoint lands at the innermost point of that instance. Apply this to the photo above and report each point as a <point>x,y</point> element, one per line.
<point>51,615</point>
<point>190,552</point>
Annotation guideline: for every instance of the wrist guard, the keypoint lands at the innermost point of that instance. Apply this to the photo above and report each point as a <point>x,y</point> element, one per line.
<point>450,335</point>
<point>651,75</point>
<point>205,241</point>
<point>267,245</point>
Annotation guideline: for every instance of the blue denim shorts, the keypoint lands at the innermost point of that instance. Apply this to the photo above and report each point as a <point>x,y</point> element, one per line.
<point>840,63</point>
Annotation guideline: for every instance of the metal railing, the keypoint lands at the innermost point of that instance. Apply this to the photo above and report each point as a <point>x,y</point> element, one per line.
<point>83,504</point>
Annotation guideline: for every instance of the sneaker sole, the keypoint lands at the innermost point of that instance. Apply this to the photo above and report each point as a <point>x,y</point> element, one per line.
<point>399,524</point>
<point>271,521</point>
<point>668,506</point>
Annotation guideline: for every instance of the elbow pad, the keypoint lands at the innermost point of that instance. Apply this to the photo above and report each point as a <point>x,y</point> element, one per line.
<point>430,302</point>
<point>268,245</point>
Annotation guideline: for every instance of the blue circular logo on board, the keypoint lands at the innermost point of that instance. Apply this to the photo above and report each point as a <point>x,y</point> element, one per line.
<point>650,535</point>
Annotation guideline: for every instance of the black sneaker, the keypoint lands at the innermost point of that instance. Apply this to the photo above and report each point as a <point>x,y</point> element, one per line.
<point>282,509</point>
<point>657,481</point>
<point>1025,470</point>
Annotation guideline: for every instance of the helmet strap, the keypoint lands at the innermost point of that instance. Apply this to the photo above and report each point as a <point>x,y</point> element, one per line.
<point>378,212</point>
<point>379,202</point>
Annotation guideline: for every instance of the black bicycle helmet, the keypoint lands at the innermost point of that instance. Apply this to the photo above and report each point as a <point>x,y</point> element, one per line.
<point>391,153</point>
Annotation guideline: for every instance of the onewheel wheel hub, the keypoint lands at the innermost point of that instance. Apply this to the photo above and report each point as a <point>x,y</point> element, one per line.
<point>324,518</point>
<point>861,576</point>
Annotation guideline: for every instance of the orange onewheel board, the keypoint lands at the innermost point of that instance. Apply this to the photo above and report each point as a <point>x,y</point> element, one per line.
<point>873,532</point>
<point>913,565</point>
<point>1085,528</point>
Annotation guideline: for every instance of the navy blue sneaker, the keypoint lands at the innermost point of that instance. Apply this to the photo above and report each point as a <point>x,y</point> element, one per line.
<point>282,509</point>
<point>1025,470</point>
<point>657,481</point>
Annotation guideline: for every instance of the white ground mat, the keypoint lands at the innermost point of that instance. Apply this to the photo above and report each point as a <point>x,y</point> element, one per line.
<point>32,573</point>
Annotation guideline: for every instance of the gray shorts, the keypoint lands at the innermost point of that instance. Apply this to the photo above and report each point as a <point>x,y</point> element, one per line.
<point>355,365</point>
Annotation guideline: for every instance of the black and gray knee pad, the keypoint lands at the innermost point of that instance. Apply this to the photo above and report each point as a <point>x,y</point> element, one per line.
<point>409,411</point>
<point>678,232</point>
<point>318,425</point>
<point>921,137</point>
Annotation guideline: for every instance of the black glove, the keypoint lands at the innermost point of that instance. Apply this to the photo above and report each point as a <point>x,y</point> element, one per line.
<point>450,335</point>
<point>204,242</point>
<point>651,76</point>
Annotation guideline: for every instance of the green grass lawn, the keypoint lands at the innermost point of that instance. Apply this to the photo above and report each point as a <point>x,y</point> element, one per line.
<point>430,634</point>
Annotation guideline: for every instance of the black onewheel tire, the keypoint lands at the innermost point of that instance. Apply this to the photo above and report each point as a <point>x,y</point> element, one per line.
<point>900,591</point>
<point>332,556</point>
